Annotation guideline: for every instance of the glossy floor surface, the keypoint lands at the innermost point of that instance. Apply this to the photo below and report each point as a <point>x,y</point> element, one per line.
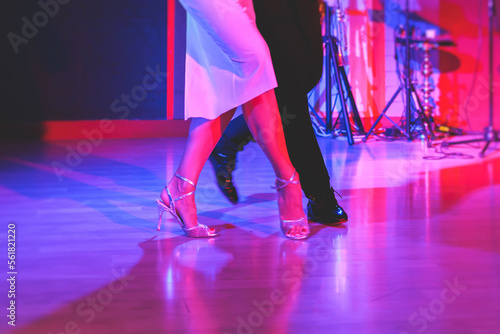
<point>420,253</point>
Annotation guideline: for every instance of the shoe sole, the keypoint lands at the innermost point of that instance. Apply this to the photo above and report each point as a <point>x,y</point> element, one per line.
<point>340,222</point>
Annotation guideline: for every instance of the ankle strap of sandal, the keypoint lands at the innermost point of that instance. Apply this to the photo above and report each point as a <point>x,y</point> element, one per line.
<point>185,179</point>
<point>173,200</point>
<point>285,182</point>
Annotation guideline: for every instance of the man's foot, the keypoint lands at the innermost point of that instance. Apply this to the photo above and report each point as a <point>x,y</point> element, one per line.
<point>223,167</point>
<point>324,209</point>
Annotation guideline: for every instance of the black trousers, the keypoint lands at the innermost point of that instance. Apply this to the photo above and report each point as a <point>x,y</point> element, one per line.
<point>293,34</point>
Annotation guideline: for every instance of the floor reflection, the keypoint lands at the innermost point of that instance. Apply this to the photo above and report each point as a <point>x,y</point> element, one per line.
<point>210,285</point>
<point>92,261</point>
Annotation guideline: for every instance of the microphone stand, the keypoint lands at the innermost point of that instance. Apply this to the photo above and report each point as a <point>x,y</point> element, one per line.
<point>336,71</point>
<point>490,135</point>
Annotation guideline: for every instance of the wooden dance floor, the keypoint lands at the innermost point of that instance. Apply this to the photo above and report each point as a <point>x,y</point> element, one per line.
<point>420,253</point>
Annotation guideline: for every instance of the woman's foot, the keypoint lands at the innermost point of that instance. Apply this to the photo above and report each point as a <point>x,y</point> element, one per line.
<point>185,207</point>
<point>182,193</point>
<point>292,217</point>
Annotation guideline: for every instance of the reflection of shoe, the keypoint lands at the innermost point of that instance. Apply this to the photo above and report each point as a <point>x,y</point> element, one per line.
<point>324,208</point>
<point>197,231</point>
<point>223,167</point>
<point>300,225</point>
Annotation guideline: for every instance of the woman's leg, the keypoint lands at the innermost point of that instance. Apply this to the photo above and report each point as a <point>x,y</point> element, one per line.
<point>203,136</point>
<point>264,121</point>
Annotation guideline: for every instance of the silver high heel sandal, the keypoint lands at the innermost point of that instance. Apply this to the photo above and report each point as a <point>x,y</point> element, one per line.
<point>287,224</point>
<point>197,231</point>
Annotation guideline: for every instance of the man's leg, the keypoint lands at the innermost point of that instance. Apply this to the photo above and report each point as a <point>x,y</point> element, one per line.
<point>293,33</point>
<point>301,141</point>
<point>236,136</point>
<point>223,157</point>
<point>307,158</point>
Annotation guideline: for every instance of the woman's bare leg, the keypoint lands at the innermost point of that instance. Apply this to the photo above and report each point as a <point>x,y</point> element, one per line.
<point>203,136</point>
<point>264,121</point>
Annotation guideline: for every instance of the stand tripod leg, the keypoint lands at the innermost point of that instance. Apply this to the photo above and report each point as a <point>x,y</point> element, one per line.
<point>340,90</point>
<point>328,86</point>
<point>415,104</point>
<point>481,155</point>
<point>447,144</point>
<point>382,114</point>
<point>490,135</point>
<point>350,97</point>
<point>426,123</point>
<point>336,122</point>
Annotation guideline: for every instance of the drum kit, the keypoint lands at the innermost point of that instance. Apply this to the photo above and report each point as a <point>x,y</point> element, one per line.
<point>418,108</point>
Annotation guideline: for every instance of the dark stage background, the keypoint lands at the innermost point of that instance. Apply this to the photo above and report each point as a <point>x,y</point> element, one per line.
<point>87,61</point>
<point>83,59</point>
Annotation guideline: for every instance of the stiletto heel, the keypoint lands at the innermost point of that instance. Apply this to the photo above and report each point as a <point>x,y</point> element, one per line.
<point>287,224</point>
<point>197,231</point>
<point>161,210</point>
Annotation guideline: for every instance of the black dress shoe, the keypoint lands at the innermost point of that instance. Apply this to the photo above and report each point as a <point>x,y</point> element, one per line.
<point>223,167</point>
<point>324,209</point>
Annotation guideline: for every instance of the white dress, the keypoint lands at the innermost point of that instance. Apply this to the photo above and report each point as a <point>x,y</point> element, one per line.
<point>227,61</point>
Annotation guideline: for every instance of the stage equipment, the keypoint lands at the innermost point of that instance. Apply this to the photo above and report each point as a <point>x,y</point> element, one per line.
<point>411,100</point>
<point>427,87</point>
<point>335,59</point>
<point>490,135</point>
<point>427,44</point>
